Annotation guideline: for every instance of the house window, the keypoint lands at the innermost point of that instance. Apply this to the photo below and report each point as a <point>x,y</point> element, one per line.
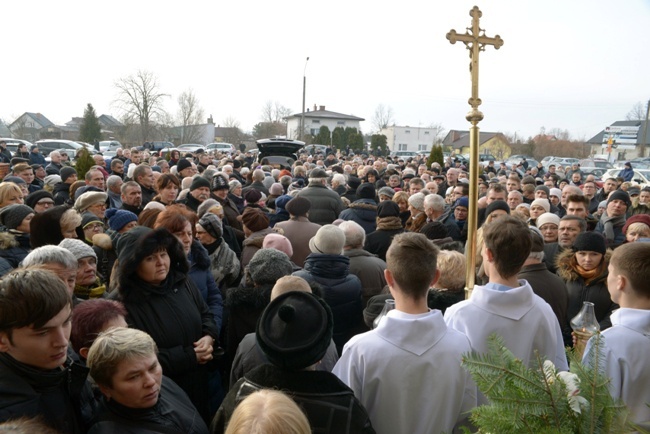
<point>426,132</point>
<point>313,132</point>
<point>407,131</point>
<point>422,147</point>
<point>315,121</point>
<point>402,147</point>
<point>340,123</point>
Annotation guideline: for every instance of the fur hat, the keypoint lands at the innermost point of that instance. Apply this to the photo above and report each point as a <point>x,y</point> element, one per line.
<point>52,180</point>
<point>66,172</point>
<point>199,182</point>
<point>252,196</point>
<point>295,330</point>
<point>366,191</point>
<point>78,248</point>
<point>387,208</point>
<point>33,198</point>
<point>255,219</point>
<point>89,199</point>
<point>590,242</point>
<point>544,203</point>
<point>118,218</point>
<point>547,217</point>
<point>386,191</point>
<point>219,182</point>
<point>417,201</point>
<point>212,225</point>
<point>555,192</point>
<point>328,240</point>
<point>268,265</point>
<point>183,164</point>
<point>298,206</point>
<point>637,218</point>
<point>619,195</point>
<point>12,216</point>
<point>278,242</point>
<point>497,204</point>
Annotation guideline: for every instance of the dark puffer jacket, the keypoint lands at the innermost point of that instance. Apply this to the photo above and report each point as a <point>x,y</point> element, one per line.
<point>579,292</point>
<point>341,291</point>
<point>14,246</point>
<point>364,212</point>
<point>326,204</point>
<point>201,275</point>
<point>330,405</point>
<point>61,193</point>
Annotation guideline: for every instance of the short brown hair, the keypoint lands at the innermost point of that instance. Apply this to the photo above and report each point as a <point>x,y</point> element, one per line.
<point>578,198</point>
<point>411,252</point>
<point>21,167</point>
<point>175,217</point>
<point>166,179</point>
<point>631,260</point>
<point>509,240</point>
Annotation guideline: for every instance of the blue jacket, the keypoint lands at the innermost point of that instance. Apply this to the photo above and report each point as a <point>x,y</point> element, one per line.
<point>37,158</point>
<point>364,212</point>
<point>626,174</point>
<point>202,277</point>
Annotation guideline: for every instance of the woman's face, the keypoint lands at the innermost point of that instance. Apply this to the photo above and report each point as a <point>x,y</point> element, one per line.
<point>86,271</point>
<point>549,231</point>
<point>588,260</point>
<point>24,225</point>
<point>154,268</point>
<point>93,229</point>
<point>68,232</point>
<point>403,205</point>
<point>127,227</point>
<point>536,211</point>
<point>185,237</point>
<point>237,191</point>
<point>136,384</point>
<point>12,198</point>
<point>371,178</point>
<point>169,193</point>
<point>204,237</point>
<point>634,234</point>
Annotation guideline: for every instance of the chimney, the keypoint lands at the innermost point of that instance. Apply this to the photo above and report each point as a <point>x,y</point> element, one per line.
<point>321,108</point>
<point>314,107</point>
<point>210,120</point>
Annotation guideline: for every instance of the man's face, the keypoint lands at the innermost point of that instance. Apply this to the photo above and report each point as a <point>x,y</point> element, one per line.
<point>514,200</point>
<point>99,160</point>
<point>577,209</point>
<point>27,176</point>
<point>540,194</point>
<point>551,169</point>
<point>644,197</point>
<point>414,188</point>
<point>117,187</point>
<point>616,208</point>
<point>512,185</point>
<point>118,168</point>
<point>201,193</point>
<point>452,176</point>
<point>97,180</point>
<point>55,157</point>
<point>132,196</point>
<point>188,172</point>
<point>40,173</point>
<point>393,182</point>
<point>135,157</point>
<point>71,179</point>
<point>457,193</point>
<point>568,232</point>
<point>42,348</point>
<point>576,178</point>
<point>494,196</point>
<point>86,271</point>
<point>609,186</point>
<point>146,179</point>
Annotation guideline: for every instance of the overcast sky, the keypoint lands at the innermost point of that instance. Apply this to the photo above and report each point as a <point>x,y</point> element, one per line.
<point>577,65</point>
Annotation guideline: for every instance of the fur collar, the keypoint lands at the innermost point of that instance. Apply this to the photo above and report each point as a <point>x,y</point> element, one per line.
<point>257,296</point>
<point>569,273</point>
<point>199,255</point>
<point>7,241</point>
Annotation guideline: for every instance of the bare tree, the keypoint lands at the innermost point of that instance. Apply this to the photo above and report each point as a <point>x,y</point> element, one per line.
<point>190,115</point>
<point>231,122</point>
<point>233,133</point>
<point>274,112</point>
<point>438,132</point>
<point>141,100</point>
<point>383,117</point>
<point>638,112</point>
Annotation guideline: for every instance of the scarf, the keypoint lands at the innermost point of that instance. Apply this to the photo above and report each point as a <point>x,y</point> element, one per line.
<point>389,223</point>
<point>591,275</point>
<point>609,223</point>
<point>89,292</point>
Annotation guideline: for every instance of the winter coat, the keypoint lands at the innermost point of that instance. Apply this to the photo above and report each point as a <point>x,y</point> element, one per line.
<point>330,405</point>
<point>14,246</point>
<point>252,244</point>
<point>378,241</point>
<point>61,193</point>
<point>53,168</point>
<point>259,186</point>
<point>230,211</point>
<point>299,230</point>
<point>239,202</point>
<point>62,398</point>
<point>173,411</point>
<point>326,205</point>
<point>201,275</point>
<point>106,255</point>
<point>370,271</point>
<point>364,212</point>
<point>224,265</point>
<point>341,291</point>
<point>627,174</point>
<point>244,306</point>
<point>280,216</point>
<point>37,158</point>
<point>579,292</point>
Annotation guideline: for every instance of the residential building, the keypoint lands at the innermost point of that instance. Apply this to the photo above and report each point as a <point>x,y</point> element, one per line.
<point>495,144</point>
<point>626,139</point>
<point>317,118</point>
<point>29,126</point>
<point>407,138</point>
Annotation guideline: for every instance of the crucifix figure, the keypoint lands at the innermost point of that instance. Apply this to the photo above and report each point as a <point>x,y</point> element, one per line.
<point>475,41</point>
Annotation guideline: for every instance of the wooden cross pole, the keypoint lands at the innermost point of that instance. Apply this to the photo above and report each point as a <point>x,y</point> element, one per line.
<point>475,41</point>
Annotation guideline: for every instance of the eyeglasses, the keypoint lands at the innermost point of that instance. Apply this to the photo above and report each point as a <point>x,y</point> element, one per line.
<point>45,202</point>
<point>95,227</point>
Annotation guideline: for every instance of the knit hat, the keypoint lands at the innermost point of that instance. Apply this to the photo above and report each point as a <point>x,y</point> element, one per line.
<point>386,191</point>
<point>52,180</point>
<point>329,240</point>
<point>199,182</point>
<point>118,218</point>
<point>497,204</point>
<point>544,203</point>
<point>183,164</point>
<point>619,195</point>
<point>417,201</point>
<point>89,218</point>
<point>602,204</point>
<point>298,206</point>
<point>89,199</point>
<point>590,242</point>
<point>219,182</point>
<point>66,172</point>
<point>233,185</point>
<point>543,188</point>
<point>463,201</point>
<point>555,192</point>
<point>78,248</point>
<point>212,225</point>
<point>295,330</point>
<point>281,202</point>
<point>15,179</point>
<point>33,198</point>
<point>637,218</point>
<point>366,191</point>
<point>255,219</point>
<point>435,230</point>
<point>278,242</point>
<point>547,217</point>
<point>353,183</point>
<point>387,208</point>
<point>252,196</point>
<point>268,265</point>
<point>318,173</point>
<point>276,189</point>
<point>12,216</point>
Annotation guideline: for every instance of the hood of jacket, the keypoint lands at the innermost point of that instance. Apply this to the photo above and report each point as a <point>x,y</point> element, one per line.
<point>569,273</point>
<point>7,241</point>
<point>365,209</point>
<point>328,266</point>
<point>198,256</point>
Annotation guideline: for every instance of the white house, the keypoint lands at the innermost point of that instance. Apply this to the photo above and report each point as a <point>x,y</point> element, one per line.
<point>317,118</point>
<point>410,138</point>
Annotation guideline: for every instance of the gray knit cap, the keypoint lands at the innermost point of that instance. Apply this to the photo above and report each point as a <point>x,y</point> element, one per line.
<point>13,215</point>
<point>268,265</point>
<point>78,248</point>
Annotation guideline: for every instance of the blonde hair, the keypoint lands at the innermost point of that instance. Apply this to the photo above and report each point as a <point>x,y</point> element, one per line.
<point>288,284</point>
<point>7,188</point>
<point>70,219</point>
<point>452,270</point>
<point>401,196</point>
<point>268,412</point>
<point>639,228</point>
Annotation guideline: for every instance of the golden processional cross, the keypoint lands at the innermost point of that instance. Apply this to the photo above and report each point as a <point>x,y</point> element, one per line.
<point>475,41</point>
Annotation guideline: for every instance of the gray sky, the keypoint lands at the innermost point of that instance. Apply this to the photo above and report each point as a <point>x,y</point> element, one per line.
<point>578,65</point>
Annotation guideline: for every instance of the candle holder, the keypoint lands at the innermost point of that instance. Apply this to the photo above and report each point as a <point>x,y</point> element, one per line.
<point>584,326</point>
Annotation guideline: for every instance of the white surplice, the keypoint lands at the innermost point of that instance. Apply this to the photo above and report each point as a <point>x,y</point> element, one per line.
<point>626,348</point>
<point>407,374</point>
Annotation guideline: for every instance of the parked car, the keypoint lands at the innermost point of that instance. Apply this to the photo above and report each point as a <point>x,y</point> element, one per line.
<point>226,148</point>
<point>71,147</point>
<point>315,149</point>
<point>278,153</point>
<point>190,147</point>
<point>641,176</point>
<point>109,145</point>
<point>405,155</point>
<point>12,144</point>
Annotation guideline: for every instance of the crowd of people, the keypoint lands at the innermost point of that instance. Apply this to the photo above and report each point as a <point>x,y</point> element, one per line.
<point>205,293</point>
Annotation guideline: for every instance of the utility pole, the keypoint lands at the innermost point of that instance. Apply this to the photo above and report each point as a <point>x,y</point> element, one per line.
<point>304,88</point>
<point>644,141</point>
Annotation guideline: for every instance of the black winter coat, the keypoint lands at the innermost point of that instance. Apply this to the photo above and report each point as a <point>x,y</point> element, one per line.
<point>364,212</point>
<point>330,405</point>
<point>379,241</point>
<point>201,275</point>
<point>61,193</point>
<point>14,246</point>
<point>326,205</point>
<point>173,411</point>
<point>341,291</point>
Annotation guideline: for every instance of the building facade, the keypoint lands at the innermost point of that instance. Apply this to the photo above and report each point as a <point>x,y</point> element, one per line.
<point>317,118</point>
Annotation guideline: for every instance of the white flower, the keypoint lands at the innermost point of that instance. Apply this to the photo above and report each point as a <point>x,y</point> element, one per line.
<point>572,384</point>
<point>576,401</point>
<point>549,371</point>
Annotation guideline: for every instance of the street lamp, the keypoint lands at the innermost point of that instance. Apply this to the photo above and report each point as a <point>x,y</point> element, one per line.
<point>302,115</point>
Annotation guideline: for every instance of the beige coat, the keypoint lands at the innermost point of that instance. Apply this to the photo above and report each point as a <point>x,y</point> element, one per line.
<point>299,230</point>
